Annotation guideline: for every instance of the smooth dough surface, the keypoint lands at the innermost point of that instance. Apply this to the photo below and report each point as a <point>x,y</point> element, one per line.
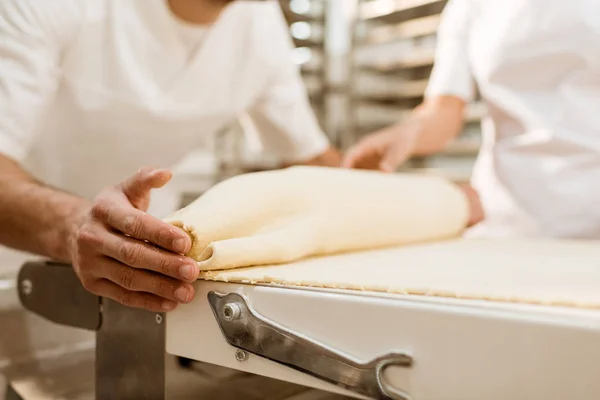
<point>551,272</point>
<point>281,216</point>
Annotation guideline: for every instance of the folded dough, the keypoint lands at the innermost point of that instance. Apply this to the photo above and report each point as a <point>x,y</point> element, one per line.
<point>286,215</point>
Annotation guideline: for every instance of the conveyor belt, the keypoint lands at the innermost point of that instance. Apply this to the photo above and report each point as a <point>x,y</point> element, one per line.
<point>563,273</point>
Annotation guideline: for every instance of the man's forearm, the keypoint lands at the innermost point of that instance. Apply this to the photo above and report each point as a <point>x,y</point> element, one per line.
<point>34,217</point>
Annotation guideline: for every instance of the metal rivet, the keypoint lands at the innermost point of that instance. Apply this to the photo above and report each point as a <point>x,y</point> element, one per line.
<point>241,355</point>
<point>159,319</point>
<point>231,312</point>
<point>27,287</point>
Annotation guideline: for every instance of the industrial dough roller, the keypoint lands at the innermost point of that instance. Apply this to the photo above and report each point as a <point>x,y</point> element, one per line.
<point>364,344</point>
<point>431,346</point>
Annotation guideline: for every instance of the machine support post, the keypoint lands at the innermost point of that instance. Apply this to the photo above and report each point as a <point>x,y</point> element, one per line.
<point>130,354</point>
<point>130,343</point>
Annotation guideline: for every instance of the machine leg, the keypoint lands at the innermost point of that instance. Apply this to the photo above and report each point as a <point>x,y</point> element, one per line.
<point>130,354</point>
<point>11,394</point>
<point>130,343</point>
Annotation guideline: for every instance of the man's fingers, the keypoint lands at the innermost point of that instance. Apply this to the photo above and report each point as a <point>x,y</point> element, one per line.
<point>137,188</point>
<point>146,301</point>
<point>141,255</point>
<point>142,226</point>
<point>138,280</point>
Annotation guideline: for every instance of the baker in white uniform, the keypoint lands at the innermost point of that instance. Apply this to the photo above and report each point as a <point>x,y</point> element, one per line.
<point>93,90</point>
<point>536,64</point>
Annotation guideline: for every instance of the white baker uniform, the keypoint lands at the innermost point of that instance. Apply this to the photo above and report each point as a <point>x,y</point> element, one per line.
<point>92,90</point>
<point>536,64</point>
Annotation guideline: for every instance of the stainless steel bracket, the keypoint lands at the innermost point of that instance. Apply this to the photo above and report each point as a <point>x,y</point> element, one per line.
<point>53,291</point>
<point>245,329</point>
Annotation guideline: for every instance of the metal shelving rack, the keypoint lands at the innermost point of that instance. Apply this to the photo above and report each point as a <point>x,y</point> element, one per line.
<point>392,57</point>
<point>307,20</point>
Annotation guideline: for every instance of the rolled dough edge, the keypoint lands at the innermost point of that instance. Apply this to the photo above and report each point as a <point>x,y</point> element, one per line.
<point>197,254</point>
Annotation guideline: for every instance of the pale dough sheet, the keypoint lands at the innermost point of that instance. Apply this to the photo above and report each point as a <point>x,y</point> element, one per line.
<point>287,215</point>
<point>560,273</point>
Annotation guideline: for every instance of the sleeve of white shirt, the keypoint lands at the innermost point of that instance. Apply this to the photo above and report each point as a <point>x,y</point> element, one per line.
<point>283,116</point>
<point>32,34</point>
<point>451,75</point>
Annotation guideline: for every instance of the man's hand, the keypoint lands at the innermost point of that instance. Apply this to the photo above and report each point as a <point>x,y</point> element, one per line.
<point>120,252</point>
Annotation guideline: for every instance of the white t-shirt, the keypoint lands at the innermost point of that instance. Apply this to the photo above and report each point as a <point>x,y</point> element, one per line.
<point>192,36</point>
<point>537,66</point>
<point>92,90</point>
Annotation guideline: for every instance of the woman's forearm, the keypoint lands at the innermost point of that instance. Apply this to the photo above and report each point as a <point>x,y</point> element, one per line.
<point>437,121</point>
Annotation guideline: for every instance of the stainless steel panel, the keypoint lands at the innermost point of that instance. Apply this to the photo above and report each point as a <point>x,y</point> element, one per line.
<point>130,354</point>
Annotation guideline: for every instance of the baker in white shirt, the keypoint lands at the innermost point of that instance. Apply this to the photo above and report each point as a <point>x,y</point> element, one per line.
<point>536,64</point>
<point>93,90</point>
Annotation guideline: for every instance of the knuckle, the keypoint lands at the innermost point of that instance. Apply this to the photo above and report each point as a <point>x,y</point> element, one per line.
<point>129,253</point>
<point>127,278</point>
<point>133,225</point>
<point>86,237</point>
<point>165,265</point>
<point>100,210</point>
<point>164,236</point>
<point>126,298</point>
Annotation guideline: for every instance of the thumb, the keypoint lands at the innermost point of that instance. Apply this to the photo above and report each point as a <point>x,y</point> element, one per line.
<point>137,187</point>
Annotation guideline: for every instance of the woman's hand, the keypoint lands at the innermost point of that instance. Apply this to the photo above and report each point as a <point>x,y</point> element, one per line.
<point>120,252</point>
<point>384,150</point>
<point>429,129</point>
<point>475,208</point>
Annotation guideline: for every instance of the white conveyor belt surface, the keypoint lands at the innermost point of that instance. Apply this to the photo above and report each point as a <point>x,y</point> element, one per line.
<point>444,348</point>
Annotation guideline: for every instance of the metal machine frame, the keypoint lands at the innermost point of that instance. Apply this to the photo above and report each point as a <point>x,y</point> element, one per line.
<point>130,343</point>
<point>433,348</point>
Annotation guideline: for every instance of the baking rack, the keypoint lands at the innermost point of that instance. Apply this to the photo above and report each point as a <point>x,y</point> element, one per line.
<point>307,21</point>
<point>392,56</point>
